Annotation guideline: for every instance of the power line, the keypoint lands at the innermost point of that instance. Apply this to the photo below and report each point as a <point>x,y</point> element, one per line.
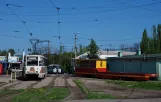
<point>138,6</point>
<point>109,40</point>
<point>7,5</point>
<point>13,36</point>
<point>57,8</point>
<point>52,3</point>
<point>120,39</point>
<point>14,5</point>
<point>102,11</point>
<point>78,21</point>
<point>157,1</point>
<point>75,8</point>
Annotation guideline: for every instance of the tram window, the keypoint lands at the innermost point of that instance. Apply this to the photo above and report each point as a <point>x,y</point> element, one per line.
<point>92,64</point>
<point>84,63</point>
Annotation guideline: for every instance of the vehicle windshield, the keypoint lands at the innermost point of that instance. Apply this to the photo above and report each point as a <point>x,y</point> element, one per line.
<point>32,63</point>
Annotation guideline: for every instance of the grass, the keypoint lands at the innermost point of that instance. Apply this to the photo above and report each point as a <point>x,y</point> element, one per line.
<point>92,94</point>
<point>141,85</point>
<point>9,91</point>
<point>95,95</point>
<point>42,95</point>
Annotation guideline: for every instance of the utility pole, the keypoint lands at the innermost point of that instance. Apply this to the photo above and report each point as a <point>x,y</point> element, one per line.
<point>48,47</point>
<point>75,47</point>
<point>48,51</point>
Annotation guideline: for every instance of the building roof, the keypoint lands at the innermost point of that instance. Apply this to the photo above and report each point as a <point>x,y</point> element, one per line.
<point>106,54</point>
<point>116,53</point>
<point>147,56</point>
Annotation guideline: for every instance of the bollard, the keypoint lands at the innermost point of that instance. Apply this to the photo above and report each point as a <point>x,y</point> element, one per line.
<point>11,76</point>
<point>15,75</point>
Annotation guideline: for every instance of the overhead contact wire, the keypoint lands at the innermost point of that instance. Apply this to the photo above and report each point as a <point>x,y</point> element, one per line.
<point>7,5</point>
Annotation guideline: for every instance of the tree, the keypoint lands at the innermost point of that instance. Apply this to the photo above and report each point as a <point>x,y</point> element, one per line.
<point>93,49</point>
<point>145,42</point>
<point>158,46</point>
<point>82,49</point>
<point>151,47</point>
<point>12,51</point>
<point>154,39</point>
<point>159,34</point>
<point>3,53</point>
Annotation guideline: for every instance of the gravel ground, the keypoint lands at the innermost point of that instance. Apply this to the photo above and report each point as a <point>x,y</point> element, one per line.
<point>24,85</point>
<point>71,83</point>
<point>9,85</point>
<point>59,82</point>
<point>118,100</point>
<point>5,78</point>
<point>77,94</point>
<point>118,91</point>
<point>43,82</point>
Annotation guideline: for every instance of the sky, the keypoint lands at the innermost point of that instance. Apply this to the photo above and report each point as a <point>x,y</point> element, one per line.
<point>108,22</point>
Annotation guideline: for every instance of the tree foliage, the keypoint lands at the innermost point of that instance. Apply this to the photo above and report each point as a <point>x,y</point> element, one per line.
<point>93,49</point>
<point>12,51</point>
<point>82,49</point>
<point>145,42</point>
<point>63,59</point>
<point>151,45</point>
<point>5,52</point>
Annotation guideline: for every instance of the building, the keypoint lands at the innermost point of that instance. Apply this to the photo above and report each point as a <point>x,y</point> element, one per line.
<point>105,54</point>
<point>10,58</point>
<point>12,61</point>
<point>2,58</point>
<point>137,64</point>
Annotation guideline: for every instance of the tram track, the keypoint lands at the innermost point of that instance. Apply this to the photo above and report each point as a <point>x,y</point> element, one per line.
<point>14,92</point>
<point>52,83</point>
<point>49,86</point>
<point>69,87</point>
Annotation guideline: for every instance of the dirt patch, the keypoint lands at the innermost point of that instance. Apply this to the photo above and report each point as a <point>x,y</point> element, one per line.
<point>43,83</point>
<point>76,94</point>
<point>118,91</point>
